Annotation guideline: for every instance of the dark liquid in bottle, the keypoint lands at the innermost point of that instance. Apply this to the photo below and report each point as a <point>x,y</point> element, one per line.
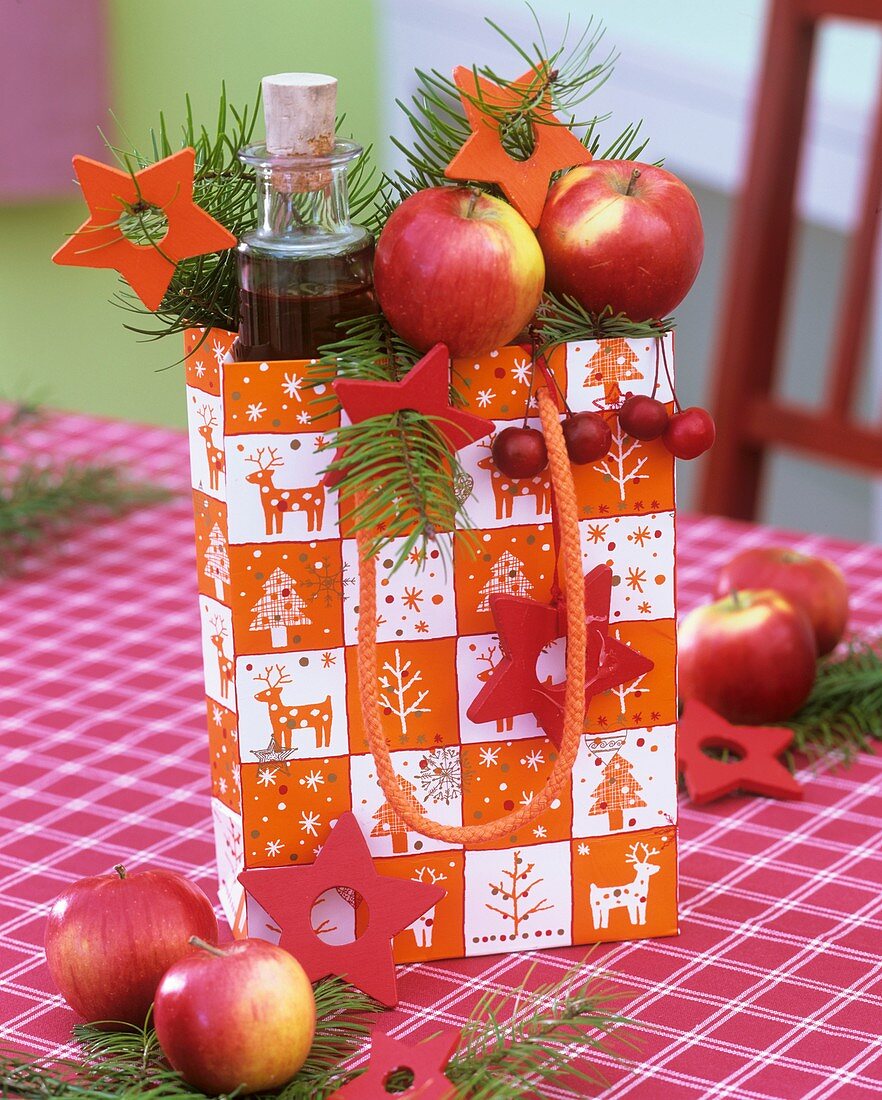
<point>289,308</point>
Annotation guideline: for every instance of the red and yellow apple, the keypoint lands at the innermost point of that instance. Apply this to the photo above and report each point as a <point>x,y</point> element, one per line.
<point>110,938</point>
<point>750,656</point>
<point>240,1016</point>
<point>621,235</point>
<point>458,267</point>
<point>814,584</point>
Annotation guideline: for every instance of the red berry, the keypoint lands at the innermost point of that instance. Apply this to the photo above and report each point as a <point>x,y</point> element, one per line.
<point>520,452</point>
<point>588,437</point>
<point>643,417</point>
<point>690,433</point>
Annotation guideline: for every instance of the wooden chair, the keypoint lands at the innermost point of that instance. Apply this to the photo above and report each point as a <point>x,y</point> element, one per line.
<point>750,418</point>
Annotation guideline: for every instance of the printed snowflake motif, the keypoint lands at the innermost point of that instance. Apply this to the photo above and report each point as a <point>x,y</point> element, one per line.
<point>654,505</point>
<point>638,718</point>
<point>328,659</point>
<point>217,715</point>
<point>601,719</point>
<point>416,556</point>
<point>533,759</point>
<point>218,351</point>
<point>322,581</point>
<point>484,398</point>
<point>603,509</point>
<point>527,797</point>
<point>313,780</point>
<point>222,785</point>
<point>422,627</point>
<point>267,776</point>
<point>521,371</point>
<point>639,536</point>
<point>413,598</point>
<point>304,417</point>
<point>635,579</point>
<point>199,369</point>
<point>597,532</point>
<point>638,506</point>
<point>274,847</point>
<point>540,832</point>
<point>292,385</point>
<point>236,772</point>
<point>584,850</point>
<point>255,411</point>
<point>440,775</point>
<point>489,757</point>
<point>309,823</point>
<point>655,716</point>
<point>644,608</point>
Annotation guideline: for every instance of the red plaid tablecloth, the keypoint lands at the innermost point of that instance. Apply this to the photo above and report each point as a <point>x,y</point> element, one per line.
<point>772,989</point>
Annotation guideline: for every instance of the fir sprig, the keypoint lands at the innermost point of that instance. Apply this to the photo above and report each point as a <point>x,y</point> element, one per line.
<point>844,710</point>
<point>564,320</point>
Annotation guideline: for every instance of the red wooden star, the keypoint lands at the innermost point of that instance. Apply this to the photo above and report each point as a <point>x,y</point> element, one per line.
<point>756,769</point>
<point>110,192</point>
<point>525,628</point>
<point>426,1061</point>
<point>482,157</point>
<point>289,893</point>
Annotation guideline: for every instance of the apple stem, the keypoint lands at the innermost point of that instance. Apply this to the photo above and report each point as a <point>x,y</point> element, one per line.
<point>476,194</point>
<point>635,175</point>
<point>120,870</point>
<point>735,598</point>
<point>203,946</point>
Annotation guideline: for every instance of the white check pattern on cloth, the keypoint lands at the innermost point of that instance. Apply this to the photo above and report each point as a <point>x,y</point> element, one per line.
<point>772,990</point>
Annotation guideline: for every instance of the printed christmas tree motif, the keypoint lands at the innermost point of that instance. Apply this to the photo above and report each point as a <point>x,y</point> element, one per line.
<point>618,790</point>
<point>217,561</point>
<point>628,895</point>
<point>517,894</point>
<point>441,775</point>
<point>390,824</point>
<point>506,576</point>
<point>214,456</point>
<point>618,465</point>
<point>624,690</point>
<point>612,363</point>
<point>279,609</point>
<point>397,686</point>
<point>422,926</point>
<point>491,660</point>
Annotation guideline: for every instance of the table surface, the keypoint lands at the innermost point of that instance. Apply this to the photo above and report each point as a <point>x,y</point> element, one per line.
<point>772,989</point>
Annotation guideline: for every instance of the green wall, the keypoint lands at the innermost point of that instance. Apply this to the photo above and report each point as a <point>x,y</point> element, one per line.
<point>61,340</point>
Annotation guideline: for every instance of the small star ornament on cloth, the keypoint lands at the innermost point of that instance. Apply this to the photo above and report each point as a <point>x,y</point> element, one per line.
<point>483,157</point>
<point>525,627</point>
<point>111,192</point>
<point>757,769</point>
<point>289,893</point>
<point>426,1061</point>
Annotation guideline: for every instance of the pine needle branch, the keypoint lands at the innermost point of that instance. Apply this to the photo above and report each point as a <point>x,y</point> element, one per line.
<point>563,320</point>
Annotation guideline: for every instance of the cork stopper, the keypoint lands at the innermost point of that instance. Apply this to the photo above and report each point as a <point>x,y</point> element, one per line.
<point>300,112</point>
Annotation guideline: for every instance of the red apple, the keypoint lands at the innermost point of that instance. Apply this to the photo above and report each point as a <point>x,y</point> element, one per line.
<point>458,267</point>
<point>814,584</point>
<point>240,1016</point>
<point>624,235</point>
<point>750,657</point>
<point>110,938</point>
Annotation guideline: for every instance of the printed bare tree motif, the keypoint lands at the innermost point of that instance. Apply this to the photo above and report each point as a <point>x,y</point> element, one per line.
<point>277,502</point>
<point>441,777</point>
<point>401,695</point>
<point>618,790</point>
<point>217,561</point>
<point>224,663</point>
<point>279,608</point>
<point>506,576</point>
<point>288,720</point>
<point>624,690</point>
<point>612,363</point>
<point>505,488</point>
<point>628,895</point>
<point>422,926</point>
<point>214,456</point>
<point>389,824</point>
<point>491,660</point>
<point>517,895</point>
<point>620,465</point>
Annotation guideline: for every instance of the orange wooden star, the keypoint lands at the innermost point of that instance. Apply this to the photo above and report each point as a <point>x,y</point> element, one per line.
<point>110,192</point>
<point>482,157</point>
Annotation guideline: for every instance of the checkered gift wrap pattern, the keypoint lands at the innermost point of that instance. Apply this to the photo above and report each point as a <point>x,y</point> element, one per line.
<point>277,565</point>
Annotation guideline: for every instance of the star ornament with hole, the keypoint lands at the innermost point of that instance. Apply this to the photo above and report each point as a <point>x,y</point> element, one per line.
<point>426,1061</point>
<point>756,769</point>
<point>289,893</point>
<point>483,157</point>
<point>111,193</point>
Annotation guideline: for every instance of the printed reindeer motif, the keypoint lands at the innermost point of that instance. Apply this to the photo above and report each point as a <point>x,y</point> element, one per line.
<point>224,663</point>
<point>630,895</point>
<point>505,489</point>
<point>285,720</point>
<point>502,724</point>
<point>277,503</point>
<point>422,926</point>
<point>217,463</point>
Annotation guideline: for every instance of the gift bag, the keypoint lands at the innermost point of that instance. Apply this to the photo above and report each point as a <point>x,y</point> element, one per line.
<point>322,698</point>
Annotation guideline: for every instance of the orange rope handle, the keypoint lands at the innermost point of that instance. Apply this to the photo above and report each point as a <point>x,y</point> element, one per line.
<point>574,700</point>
